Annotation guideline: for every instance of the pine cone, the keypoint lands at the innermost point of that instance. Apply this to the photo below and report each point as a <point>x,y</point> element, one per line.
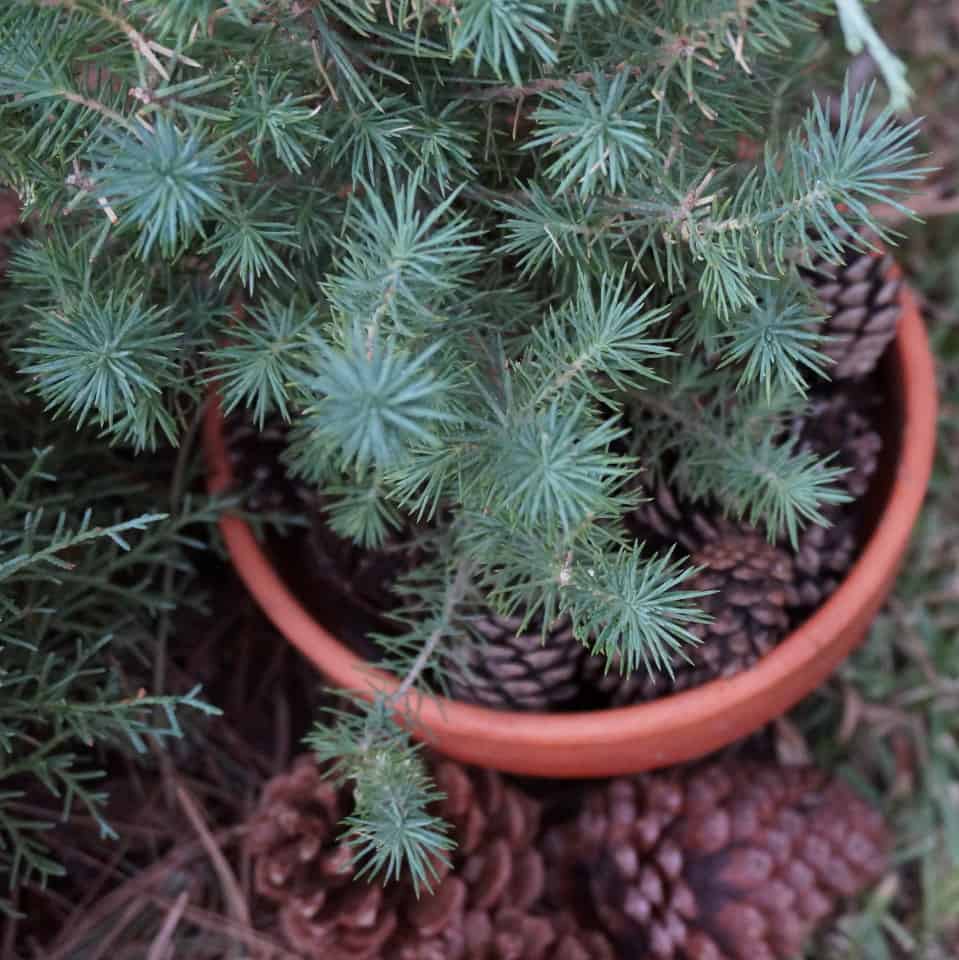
<point>754,589</point>
<point>823,558</point>
<point>662,522</point>
<point>254,455</point>
<point>861,301</point>
<point>301,864</point>
<point>484,908</point>
<point>840,424</point>
<point>515,671</point>
<point>719,862</point>
<point>445,929</point>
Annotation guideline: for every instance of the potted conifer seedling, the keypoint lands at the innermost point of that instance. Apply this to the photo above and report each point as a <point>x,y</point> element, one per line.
<point>582,413</point>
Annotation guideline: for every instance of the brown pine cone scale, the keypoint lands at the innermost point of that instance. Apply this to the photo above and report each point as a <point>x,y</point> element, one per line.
<point>861,301</point>
<point>753,589</point>
<point>840,425</point>
<point>499,666</point>
<point>823,557</point>
<point>724,861</point>
<point>484,906</point>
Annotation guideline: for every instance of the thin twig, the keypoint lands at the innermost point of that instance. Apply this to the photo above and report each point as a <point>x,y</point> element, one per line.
<point>117,929</point>
<point>91,104</point>
<point>160,948</point>
<point>544,85</point>
<point>235,901</point>
<point>177,485</point>
<point>453,597</point>
<point>207,920</point>
<point>176,859</point>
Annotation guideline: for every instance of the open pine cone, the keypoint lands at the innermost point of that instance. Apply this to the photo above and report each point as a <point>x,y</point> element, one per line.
<point>362,577</point>
<point>301,864</point>
<point>823,557</point>
<point>839,425</point>
<point>484,908</point>
<point>754,584</point>
<point>727,861</point>
<point>662,521</point>
<point>762,590</point>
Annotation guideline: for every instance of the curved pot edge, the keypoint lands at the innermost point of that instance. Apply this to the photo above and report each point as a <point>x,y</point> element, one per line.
<point>675,728</point>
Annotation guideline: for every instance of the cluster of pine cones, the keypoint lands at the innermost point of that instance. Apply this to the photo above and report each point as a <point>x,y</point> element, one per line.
<point>762,590</point>
<point>727,860</point>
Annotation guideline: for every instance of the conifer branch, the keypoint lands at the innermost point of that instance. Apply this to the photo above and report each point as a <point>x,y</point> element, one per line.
<point>544,85</point>
<point>147,49</point>
<point>90,103</point>
<point>497,256</point>
<point>452,599</point>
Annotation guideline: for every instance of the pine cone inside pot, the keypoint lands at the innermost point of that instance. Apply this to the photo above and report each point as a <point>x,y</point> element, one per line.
<point>362,577</point>
<point>662,521</point>
<point>254,455</point>
<point>754,588</point>
<point>842,424</point>
<point>484,908</point>
<point>822,559</point>
<point>861,301</point>
<point>728,861</point>
<point>500,666</point>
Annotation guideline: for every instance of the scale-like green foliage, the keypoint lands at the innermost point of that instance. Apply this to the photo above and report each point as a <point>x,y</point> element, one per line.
<point>81,593</point>
<point>474,253</point>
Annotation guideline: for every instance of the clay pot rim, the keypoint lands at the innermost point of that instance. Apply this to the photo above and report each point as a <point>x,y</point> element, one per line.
<point>546,744</point>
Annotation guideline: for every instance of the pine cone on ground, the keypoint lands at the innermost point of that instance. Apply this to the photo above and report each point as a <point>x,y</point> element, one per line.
<point>861,301</point>
<point>444,929</point>
<point>301,864</point>
<point>718,862</point>
<point>497,666</point>
<point>485,908</point>
<point>754,589</point>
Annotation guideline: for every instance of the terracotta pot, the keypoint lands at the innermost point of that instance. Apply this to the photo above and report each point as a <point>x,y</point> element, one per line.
<point>678,727</point>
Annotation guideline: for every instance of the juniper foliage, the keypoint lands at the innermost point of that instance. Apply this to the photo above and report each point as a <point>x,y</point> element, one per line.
<point>490,257</point>
<point>86,590</point>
